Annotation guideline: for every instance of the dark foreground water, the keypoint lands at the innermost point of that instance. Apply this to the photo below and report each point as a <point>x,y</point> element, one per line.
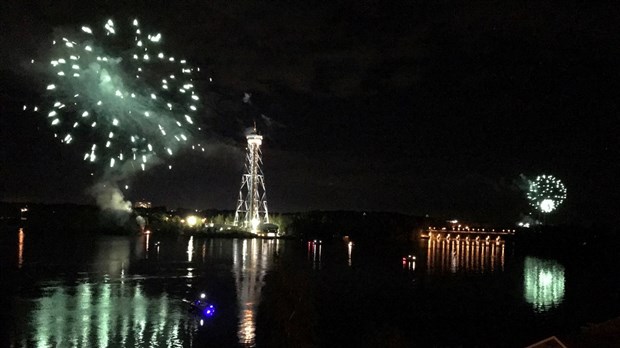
<point>106,291</point>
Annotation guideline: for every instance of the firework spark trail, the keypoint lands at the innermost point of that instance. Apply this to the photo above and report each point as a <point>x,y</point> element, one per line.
<point>121,98</point>
<point>546,193</point>
<point>118,89</point>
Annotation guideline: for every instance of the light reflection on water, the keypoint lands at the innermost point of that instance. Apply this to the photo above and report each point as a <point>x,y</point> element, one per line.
<point>116,297</point>
<point>314,253</point>
<point>453,255</point>
<point>20,248</point>
<point>123,297</point>
<point>543,283</point>
<point>250,264</point>
<point>103,314</point>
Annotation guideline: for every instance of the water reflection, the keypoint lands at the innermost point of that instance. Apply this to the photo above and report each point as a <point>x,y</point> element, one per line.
<point>314,253</point>
<point>106,314</point>
<point>112,256</point>
<point>250,264</point>
<point>409,262</point>
<point>453,255</point>
<point>349,252</point>
<point>20,248</point>
<point>147,239</point>
<point>190,249</point>
<point>543,283</point>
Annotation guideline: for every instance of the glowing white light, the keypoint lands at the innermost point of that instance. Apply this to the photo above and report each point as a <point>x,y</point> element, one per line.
<point>50,87</point>
<point>109,26</point>
<point>85,113</point>
<point>156,38</point>
<point>255,222</point>
<point>55,122</point>
<point>547,205</point>
<point>191,220</point>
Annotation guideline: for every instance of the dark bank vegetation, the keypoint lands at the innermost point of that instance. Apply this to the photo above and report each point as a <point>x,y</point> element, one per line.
<point>596,245</point>
<point>356,225</point>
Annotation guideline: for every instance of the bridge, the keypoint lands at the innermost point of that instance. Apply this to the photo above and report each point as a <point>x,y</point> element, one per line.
<point>467,233</point>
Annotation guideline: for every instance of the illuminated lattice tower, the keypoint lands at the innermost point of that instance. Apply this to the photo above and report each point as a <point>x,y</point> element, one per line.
<point>252,204</point>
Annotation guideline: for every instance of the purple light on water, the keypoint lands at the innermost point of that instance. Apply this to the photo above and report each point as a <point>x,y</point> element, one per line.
<point>209,311</point>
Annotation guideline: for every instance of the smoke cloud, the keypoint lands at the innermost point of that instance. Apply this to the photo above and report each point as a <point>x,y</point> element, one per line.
<point>111,201</point>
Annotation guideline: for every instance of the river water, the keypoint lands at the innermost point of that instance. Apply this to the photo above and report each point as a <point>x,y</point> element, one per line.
<point>117,291</point>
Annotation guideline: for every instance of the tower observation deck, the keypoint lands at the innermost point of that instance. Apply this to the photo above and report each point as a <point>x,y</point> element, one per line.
<point>252,204</point>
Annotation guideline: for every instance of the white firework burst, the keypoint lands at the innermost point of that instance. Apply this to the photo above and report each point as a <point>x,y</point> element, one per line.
<point>120,96</point>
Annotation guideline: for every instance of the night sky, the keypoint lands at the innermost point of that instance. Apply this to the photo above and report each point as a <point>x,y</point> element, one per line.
<point>417,107</point>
